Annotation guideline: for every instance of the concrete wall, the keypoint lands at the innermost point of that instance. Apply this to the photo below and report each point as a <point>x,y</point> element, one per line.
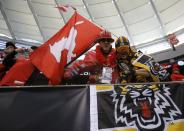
<point>168,54</point>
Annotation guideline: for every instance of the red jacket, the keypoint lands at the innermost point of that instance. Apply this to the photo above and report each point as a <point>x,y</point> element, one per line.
<point>18,73</point>
<point>177,77</point>
<point>2,71</point>
<point>94,62</point>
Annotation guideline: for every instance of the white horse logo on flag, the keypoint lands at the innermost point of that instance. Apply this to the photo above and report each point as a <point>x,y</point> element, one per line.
<point>67,43</point>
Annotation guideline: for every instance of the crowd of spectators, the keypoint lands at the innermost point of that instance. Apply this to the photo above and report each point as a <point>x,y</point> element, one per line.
<point>175,69</point>
<point>15,67</point>
<point>120,65</point>
<point>104,65</point>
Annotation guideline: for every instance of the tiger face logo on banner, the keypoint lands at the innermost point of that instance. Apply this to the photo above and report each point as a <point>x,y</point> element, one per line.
<point>144,106</point>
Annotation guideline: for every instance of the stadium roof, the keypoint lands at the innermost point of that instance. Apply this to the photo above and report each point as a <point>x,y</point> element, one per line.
<point>145,22</point>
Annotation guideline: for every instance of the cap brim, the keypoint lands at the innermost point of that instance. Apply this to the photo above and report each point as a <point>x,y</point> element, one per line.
<point>105,38</point>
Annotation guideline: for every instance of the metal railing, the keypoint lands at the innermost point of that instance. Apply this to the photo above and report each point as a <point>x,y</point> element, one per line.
<point>86,85</point>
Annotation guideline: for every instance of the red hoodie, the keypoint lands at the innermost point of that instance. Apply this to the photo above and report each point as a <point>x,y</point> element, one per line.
<point>18,73</point>
<point>177,77</point>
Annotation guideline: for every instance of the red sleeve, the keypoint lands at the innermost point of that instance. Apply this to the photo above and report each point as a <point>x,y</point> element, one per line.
<point>177,77</point>
<point>78,66</point>
<point>19,72</point>
<point>2,71</point>
<point>90,59</point>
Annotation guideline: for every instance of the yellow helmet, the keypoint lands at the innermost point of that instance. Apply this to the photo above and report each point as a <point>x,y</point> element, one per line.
<point>121,41</point>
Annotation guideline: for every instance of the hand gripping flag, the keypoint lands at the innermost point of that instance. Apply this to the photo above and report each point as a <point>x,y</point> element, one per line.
<point>66,45</point>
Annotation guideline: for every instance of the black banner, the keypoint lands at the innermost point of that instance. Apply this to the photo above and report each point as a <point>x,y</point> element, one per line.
<point>140,107</point>
<point>44,109</point>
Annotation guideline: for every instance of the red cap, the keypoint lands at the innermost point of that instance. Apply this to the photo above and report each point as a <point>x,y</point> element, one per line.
<point>105,35</point>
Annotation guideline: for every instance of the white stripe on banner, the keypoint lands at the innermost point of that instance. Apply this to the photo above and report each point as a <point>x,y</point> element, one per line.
<point>93,108</point>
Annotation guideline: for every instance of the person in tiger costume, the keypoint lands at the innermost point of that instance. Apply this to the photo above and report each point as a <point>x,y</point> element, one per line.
<point>134,66</point>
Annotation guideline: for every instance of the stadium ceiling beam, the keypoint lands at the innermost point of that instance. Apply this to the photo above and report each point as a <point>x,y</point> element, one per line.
<point>27,43</point>
<point>60,12</point>
<point>158,17</point>
<point>124,23</point>
<point>7,21</point>
<point>87,9</point>
<point>36,19</point>
<point>160,21</point>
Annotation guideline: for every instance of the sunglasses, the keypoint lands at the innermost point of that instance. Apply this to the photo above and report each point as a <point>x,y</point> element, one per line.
<point>106,41</point>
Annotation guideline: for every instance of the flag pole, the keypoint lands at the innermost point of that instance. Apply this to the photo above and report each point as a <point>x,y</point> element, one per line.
<point>81,54</point>
<point>174,49</point>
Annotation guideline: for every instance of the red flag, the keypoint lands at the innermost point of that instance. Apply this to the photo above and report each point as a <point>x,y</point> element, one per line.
<point>65,8</point>
<point>73,39</point>
<point>18,74</point>
<point>172,39</point>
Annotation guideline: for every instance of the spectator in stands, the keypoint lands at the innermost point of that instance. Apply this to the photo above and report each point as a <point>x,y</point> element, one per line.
<point>172,64</point>
<point>2,67</point>
<point>101,62</point>
<point>10,55</point>
<point>1,56</point>
<point>30,50</point>
<point>9,58</point>
<point>176,76</point>
<point>37,77</point>
<point>22,72</point>
<point>125,55</point>
<point>135,66</point>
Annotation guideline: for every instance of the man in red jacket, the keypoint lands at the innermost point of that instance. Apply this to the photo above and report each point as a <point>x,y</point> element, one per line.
<point>100,63</point>
<point>20,71</point>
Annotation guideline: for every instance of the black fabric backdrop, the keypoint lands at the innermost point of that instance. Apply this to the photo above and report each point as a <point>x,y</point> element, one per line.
<point>45,109</point>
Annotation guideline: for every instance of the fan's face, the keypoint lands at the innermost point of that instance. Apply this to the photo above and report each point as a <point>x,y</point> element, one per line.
<point>9,49</point>
<point>106,46</point>
<point>122,55</point>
